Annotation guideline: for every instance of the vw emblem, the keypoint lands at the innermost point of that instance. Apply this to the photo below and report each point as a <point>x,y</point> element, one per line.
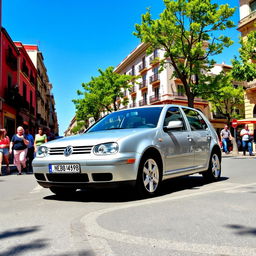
<point>68,151</point>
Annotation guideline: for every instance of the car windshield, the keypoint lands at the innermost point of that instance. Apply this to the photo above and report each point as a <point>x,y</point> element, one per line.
<point>127,119</point>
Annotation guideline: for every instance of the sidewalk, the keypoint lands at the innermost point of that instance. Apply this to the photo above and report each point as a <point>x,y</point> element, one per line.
<point>239,156</point>
<point>13,170</point>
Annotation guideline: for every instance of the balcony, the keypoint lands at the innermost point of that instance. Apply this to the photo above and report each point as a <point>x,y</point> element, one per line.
<point>143,102</point>
<point>142,67</point>
<point>143,84</point>
<point>12,96</point>
<point>155,98</point>
<point>132,90</point>
<point>154,78</point>
<point>248,19</point>
<point>24,104</point>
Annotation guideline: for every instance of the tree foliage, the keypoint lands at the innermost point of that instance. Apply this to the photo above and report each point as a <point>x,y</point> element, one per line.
<point>101,94</point>
<point>226,97</point>
<point>244,66</point>
<point>189,33</point>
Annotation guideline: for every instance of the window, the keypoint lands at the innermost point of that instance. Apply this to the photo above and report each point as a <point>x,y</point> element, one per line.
<point>144,98</point>
<point>156,91</point>
<point>24,91</point>
<point>155,71</point>
<point>174,114</point>
<point>133,70</point>
<point>143,62</point>
<point>31,98</point>
<point>9,82</point>
<point>253,6</point>
<point>254,111</point>
<point>195,120</point>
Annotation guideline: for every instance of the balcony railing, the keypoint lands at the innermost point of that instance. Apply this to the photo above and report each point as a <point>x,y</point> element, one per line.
<point>153,78</point>
<point>143,84</point>
<point>154,98</point>
<point>132,89</point>
<point>143,102</point>
<point>142,66</point>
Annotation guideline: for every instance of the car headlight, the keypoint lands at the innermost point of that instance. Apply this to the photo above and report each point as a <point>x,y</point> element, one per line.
<point>42,151</point>
<point>106,148</point>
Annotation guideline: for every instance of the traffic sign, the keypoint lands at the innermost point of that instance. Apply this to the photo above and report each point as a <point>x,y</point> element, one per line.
<point>234,123</point>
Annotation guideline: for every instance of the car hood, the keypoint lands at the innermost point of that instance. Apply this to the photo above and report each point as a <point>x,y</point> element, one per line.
<point>93,138</point>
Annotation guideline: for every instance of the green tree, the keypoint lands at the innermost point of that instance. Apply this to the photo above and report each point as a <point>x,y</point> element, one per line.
<point>226,97</point>
<point>244,66</point>
<point>101,94</point>
<point>189,33</point>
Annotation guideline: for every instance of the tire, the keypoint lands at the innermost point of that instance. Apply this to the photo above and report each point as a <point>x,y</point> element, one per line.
<point>149,176</point>
<point>62,191</point>
<point>214,170</point>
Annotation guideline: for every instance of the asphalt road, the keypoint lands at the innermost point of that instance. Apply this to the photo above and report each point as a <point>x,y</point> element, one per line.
<point>188,218</point>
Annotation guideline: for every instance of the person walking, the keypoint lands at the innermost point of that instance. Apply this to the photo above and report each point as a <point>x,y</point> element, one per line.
<point>19,145</point>
<point>4,150</point>
<point>226,137</point>
<point>31,149</point>
<point>40,138</point>
<point>247,138</point>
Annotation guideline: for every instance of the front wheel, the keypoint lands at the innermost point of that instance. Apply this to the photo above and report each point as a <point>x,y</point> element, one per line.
<point>214,170</point>
<point>149,176</point>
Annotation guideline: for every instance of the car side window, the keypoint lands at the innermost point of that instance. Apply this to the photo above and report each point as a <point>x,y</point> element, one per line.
<point>195,120</point>
<point>174,114</point>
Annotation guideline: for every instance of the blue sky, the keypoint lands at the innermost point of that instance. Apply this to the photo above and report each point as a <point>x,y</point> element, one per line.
<point>78,37</point>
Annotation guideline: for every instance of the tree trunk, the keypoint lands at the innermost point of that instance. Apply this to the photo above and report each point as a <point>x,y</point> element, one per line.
<point>191,98</point>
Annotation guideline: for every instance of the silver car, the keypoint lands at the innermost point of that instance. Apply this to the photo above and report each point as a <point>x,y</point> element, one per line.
<point>142,146</point>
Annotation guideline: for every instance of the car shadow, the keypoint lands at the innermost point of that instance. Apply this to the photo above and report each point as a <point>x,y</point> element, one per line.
<point>242,230</point>
<point>129,194</point>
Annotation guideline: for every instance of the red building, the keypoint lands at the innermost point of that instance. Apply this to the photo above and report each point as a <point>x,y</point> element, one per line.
<point>17,85</point>
<point>9,83</point>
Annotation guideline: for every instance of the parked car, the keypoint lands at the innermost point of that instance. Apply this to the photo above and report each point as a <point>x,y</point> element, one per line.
<point>141,146</point>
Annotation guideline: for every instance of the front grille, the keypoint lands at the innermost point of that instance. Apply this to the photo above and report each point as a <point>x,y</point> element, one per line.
<point>76,150</point>
<point>67,177</point>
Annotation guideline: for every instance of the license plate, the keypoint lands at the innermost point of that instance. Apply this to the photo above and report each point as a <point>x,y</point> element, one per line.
<point>64,168</point>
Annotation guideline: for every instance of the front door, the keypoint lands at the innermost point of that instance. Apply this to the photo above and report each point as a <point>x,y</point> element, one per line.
<point>177,144</point>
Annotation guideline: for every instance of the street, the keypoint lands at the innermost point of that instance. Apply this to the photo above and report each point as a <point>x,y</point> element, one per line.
<point>188,218</point>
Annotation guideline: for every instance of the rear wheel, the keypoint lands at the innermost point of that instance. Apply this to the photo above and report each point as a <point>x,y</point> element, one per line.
<point>149,176</point>
<point>214,170</point>
<point>62,191</point>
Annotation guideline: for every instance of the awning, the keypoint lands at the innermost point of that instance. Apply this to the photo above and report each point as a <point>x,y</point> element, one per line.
<point>247,121</point>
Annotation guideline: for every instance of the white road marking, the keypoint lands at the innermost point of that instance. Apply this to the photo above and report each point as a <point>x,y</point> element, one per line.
<point>98,235</point>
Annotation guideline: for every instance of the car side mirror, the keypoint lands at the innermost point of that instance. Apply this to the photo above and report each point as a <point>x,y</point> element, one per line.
<point>173,125</point>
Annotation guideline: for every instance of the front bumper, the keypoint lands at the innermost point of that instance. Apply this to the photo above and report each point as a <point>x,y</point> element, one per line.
<point>94,171</point>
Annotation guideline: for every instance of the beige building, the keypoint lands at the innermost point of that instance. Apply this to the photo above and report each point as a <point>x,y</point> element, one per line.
<point>246,25</point>
<point>46,114</point>
<point>154,87</point>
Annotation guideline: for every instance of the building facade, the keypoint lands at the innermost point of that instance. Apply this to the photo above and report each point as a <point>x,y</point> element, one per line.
<point>245,26</point>
<point>46,114</point>
<point>9,83</point>
<point>27,83</point>
<point>25,91</point>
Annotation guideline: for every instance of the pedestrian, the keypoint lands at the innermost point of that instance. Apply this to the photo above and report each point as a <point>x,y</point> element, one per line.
<point>6,145</point>
<point>18,145</point>
<point>49,134</point>
<point>4,150</point>
<point>247,138</point>
<point>40,138</point>
<point>31,149</point>
<point>226,138</point>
